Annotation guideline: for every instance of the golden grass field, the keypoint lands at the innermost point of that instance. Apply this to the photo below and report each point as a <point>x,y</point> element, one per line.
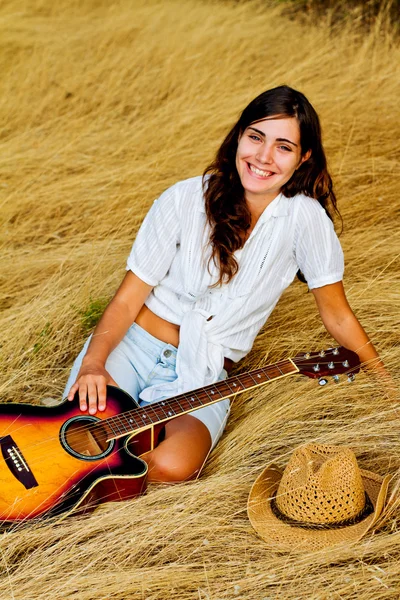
<point>103,106</point>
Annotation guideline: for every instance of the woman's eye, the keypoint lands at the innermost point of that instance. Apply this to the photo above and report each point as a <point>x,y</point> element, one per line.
<point>254,137</point>
<point>286,148</point>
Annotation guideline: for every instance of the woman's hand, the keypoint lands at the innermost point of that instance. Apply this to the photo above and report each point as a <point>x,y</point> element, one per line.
<point>122,311</point>
<point>344,326</point>
<point>91,382</point>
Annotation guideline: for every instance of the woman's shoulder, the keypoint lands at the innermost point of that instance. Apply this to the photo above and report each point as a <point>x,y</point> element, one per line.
<point>305,208</point>
<point>183,192</point>
<point>185,187</point>
<point>192,185</point>
<point>189,193</point>
<point>306,202</point>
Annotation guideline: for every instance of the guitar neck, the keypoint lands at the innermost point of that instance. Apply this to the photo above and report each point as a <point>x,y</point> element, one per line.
<point>165,410</point>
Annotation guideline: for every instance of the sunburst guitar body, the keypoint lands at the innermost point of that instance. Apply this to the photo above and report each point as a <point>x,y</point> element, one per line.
<point>54,459</point>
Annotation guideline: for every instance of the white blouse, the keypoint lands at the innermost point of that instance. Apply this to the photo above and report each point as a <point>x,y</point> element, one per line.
<point>171,253</point>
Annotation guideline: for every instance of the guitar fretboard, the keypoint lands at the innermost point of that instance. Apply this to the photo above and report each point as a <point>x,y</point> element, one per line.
<point>164,410</point>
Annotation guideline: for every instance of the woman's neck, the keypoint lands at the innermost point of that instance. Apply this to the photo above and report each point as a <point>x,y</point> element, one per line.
<point>256,206</point>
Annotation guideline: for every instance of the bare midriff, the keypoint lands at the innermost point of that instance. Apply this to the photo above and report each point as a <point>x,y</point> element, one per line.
<point>159,328</point>
<point>164,330</point>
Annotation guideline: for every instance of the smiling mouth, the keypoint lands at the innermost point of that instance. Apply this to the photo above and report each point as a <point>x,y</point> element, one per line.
<point>259,172</point>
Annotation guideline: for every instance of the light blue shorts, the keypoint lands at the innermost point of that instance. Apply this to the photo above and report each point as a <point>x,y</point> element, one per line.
<point>141,360</point>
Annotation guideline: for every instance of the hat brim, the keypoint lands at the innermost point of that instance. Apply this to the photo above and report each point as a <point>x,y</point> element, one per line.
<point>284,537</point>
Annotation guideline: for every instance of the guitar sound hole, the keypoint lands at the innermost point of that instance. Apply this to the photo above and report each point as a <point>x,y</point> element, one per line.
<point>86,438</point>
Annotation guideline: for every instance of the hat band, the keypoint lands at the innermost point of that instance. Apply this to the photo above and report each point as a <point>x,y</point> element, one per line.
<point>367,510</point>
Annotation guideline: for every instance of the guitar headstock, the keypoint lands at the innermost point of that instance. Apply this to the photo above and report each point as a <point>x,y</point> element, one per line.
<point>331,362</point>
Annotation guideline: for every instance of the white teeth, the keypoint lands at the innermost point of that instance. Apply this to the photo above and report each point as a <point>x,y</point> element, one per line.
<point>259,172</point>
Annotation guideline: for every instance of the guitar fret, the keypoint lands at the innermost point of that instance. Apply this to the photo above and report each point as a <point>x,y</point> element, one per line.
<point>229,386</point>
<point>259,377</point>
<point>166,412</point>
<point>209,396</point>
<point>224,389</point>
<point>161,405</point>
<point>275,372</point>
<point>130,420</point>
<point>192,399</point>
<point>217,390</point>
<point>239,383</point>
<point>247,381</point>
<point>110,425</point>
<point>118,423</point>
<point>199,400</point>
<point>179,404</point>
<point>146,415</point>
<point>224,386</point>
<point>213,391</point>
<point>169,410</point>
<point>173,407</point>
<point>188,401</point>
<point>159,413</point>
<point>264,372</point>
<point>235,385</point>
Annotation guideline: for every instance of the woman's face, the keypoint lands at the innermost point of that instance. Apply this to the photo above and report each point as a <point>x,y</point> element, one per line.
<point>268,154</point>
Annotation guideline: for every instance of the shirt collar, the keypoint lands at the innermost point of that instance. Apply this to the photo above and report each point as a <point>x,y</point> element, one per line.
<point>279,207</point>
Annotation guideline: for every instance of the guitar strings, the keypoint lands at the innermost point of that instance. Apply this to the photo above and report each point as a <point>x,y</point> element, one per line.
<point>184,399</point>
<point>101,423</point>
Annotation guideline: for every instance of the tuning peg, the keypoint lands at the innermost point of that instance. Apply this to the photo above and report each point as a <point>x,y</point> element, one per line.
<point>331,365</point>
<point>345,363</point>
<point>316,368</point>
<point>322,381</point>
<point>351,377</point>
<point>336,378</point>
<point>307,355</point>
<point>322,353</point>
<point>335,351</point>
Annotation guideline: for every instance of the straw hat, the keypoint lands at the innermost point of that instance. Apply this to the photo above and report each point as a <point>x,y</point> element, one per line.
<point>322,498</point>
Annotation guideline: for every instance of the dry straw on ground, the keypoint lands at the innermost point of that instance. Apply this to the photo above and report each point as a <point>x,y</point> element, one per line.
<point>103,105</point>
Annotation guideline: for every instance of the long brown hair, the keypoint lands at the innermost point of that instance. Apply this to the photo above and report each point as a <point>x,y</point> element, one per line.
<point>227,212</point>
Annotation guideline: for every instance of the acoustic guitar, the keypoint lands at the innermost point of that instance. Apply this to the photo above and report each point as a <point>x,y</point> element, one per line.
<point>58,459</point>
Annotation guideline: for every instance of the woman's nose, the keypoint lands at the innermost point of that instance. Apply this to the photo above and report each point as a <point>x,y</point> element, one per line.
<point>264,154</point>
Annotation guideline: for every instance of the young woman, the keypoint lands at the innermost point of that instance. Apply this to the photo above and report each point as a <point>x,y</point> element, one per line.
<point>209,264</point>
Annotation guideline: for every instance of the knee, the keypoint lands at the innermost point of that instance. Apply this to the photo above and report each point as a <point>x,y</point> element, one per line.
<point>170,469</point>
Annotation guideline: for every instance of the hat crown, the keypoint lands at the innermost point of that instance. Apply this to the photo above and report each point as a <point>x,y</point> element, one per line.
<point>320,485</point>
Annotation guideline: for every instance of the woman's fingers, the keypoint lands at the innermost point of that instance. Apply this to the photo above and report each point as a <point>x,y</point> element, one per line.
<point>72,391</point>
<point>92,391</point>
<point>83,396</point>
<point>102,394</point>
<point>92,397</point>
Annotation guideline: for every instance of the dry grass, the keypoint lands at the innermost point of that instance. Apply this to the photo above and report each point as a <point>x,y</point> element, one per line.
<point>102,107</point>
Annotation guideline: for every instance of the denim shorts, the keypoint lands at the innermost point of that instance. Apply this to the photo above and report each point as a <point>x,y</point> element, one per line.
<point>141,360</point>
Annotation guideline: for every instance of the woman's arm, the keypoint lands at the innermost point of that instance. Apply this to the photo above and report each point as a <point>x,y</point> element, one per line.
<point>117,318</point>
<point>343,325</point>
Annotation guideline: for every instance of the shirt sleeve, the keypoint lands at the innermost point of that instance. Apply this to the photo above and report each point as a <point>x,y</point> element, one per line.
<point>157,240</point>
<point>317,248</point>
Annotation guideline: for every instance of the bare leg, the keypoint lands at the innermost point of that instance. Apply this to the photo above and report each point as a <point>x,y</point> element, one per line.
<point>181,455</point>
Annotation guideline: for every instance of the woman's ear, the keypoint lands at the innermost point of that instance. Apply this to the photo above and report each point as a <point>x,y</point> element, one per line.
<point>305,157</point>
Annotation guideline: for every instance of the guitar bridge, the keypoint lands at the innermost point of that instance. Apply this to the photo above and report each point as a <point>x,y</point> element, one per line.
<point>16,462</point>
